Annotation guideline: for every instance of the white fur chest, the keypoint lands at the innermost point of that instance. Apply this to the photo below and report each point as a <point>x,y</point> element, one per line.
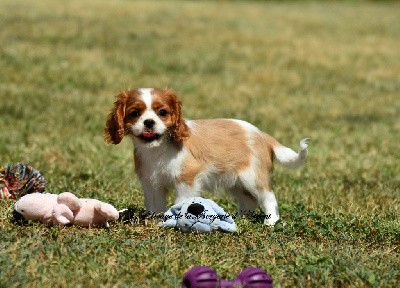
<point>160,165</point>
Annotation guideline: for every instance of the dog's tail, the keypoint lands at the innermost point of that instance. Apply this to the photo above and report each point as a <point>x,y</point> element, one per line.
<point>289,158</point>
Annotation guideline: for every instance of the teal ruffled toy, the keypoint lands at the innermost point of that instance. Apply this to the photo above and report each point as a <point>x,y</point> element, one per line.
<point>200,215</point>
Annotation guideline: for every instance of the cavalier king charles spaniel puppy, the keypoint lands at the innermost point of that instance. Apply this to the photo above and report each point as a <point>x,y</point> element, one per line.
<point>191,155</point>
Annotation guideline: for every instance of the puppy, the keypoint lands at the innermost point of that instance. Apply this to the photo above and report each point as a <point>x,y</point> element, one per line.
<point>191,155</point>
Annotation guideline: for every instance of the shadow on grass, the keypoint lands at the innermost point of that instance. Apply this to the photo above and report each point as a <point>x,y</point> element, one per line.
<point>134,215</point>
<point>17,219</point>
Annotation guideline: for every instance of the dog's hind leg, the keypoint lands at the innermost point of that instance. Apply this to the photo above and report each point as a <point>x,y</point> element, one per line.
<point>257,182</point>
<point>247,202</point>
<point>269,206</point>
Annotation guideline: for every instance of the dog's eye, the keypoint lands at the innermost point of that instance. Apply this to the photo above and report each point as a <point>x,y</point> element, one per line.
<point>134,114</point>
<point>162,113</point>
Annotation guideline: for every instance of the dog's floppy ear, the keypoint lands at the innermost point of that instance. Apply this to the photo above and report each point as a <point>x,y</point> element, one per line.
<point>115,130</point>
<point>180,131</point>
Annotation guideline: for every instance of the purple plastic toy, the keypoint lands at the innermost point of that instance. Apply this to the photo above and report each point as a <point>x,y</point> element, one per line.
<point>206,277</point>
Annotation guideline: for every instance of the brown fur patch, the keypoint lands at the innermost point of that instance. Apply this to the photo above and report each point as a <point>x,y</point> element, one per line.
<point>114,130</point>
<point>220,143</point>
<point>263,151</point>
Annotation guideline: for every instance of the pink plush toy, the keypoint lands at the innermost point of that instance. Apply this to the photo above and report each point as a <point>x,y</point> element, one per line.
<point>65,208</point>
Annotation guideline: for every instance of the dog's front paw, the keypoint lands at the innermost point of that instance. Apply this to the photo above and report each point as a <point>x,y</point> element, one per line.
<point>271,220</point>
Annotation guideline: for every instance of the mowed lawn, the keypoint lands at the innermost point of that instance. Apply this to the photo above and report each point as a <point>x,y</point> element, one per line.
<point>328,71</point>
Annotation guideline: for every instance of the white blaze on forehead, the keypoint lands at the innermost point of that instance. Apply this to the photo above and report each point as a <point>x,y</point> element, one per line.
<point>146,96</point>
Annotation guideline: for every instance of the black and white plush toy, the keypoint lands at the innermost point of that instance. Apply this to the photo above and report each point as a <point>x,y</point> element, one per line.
<point>198,214</point>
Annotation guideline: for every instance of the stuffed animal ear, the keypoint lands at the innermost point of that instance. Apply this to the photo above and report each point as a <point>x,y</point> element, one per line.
<point>200,227</point>
<point>227,227</point>
<point>170,219</point>
<point>176,209</point>
<point>226,222</point>
<point>221,212</point>
<point>62,214</point>
<point>107,211</point>
<point>172,215</point>
<point>70,200</point>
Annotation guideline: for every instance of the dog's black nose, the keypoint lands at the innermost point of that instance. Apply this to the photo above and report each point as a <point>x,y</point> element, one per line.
<point>149,123</point>
<point>196,209</point>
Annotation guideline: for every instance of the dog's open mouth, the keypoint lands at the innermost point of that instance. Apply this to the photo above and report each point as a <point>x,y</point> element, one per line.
<point>149,136</point>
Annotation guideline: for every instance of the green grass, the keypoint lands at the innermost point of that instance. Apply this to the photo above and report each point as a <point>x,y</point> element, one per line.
<point>329,71</point>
